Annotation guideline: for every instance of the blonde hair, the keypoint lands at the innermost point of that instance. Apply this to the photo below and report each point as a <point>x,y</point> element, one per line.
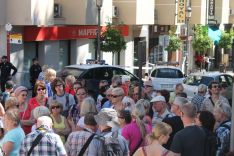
<point>88,105</point>
<point>138,114</point>
<point>70,79</point>
<point>48,73</point>
<point>11,102</point>
<point>13,115</point>
<point>160,129</point>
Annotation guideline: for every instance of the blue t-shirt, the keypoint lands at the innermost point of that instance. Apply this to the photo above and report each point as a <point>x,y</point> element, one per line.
<point>15,136</point>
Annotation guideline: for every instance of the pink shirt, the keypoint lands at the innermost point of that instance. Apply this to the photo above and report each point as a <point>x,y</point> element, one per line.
<point>131,132</point>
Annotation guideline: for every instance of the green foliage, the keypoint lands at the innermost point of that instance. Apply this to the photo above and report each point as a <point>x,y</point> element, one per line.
<point>225,41</point>
<point>112,40</point>
<point>174,44</point>
<point>201,42</point>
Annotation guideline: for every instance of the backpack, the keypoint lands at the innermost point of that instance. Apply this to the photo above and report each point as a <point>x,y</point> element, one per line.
<point>211,143</point>
<point>111,145</point>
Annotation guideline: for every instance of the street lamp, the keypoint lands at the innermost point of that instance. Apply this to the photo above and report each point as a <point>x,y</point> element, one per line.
<point>99,5</point>
<point>188,16</point>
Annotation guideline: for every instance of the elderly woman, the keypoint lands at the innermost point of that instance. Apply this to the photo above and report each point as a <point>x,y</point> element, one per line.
<point>14,135</point>
<point>116,98</point>
<point>159,136</point>
<point>222,113</point>
<point>60,124</point>
<point>40,99</point>
<point>12,102</point>
<point>26,118</point>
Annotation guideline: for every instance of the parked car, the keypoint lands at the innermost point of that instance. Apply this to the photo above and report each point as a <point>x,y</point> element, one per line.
<point>193,80</point>
<point>166,77</point>
<point>93,73</point>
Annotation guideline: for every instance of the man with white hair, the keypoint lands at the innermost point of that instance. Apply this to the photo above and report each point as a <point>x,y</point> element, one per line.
<point>43,141</point>
<point>199,97</point>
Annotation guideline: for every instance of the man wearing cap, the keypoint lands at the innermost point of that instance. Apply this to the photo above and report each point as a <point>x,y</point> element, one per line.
<point>175,122</point>
<point>107,121</point>
<point>6,75</point>
<point>50,143</point>
<point>148,89</point>
<point>160,109</point>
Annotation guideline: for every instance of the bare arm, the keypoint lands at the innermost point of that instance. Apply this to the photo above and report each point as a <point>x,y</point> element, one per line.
<point>7,148</point>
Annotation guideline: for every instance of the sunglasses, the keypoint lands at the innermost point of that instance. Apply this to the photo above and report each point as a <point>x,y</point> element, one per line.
<point>115,96</point>
<point>216,86</point>
<point>40,89</point>
<point>57,107</point>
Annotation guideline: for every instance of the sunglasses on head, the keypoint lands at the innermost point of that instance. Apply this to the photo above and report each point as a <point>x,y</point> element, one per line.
<point>57,107</point>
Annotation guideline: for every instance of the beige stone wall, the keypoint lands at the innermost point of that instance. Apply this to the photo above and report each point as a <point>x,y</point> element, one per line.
<point>2,12</point>
<point>231,17</point>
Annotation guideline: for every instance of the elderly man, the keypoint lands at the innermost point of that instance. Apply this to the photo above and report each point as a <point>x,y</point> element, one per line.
<point>148,90</point>
<point>45,140</point>
<point>190,140</point>
<point>160,109</point>
<point>199,97</point>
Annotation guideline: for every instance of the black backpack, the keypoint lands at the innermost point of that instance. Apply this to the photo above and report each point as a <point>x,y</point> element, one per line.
<point>211,143</point>
<point>111,146</point>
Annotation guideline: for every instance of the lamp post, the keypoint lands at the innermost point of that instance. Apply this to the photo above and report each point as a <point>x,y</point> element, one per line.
<point>188,16</point>
<point>99,5</point>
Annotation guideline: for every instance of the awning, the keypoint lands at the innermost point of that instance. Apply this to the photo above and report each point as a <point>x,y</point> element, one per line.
<point>214,33</point>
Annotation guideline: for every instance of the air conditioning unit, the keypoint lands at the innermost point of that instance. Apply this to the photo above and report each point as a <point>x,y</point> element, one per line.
<point>231,12</point>
<point>57,10</point>
<point>115,11</point>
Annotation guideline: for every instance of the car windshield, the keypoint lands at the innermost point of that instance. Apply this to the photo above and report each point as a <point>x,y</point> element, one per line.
<point>167,73</point>
<point>196,80</point>
<point>72,71</point>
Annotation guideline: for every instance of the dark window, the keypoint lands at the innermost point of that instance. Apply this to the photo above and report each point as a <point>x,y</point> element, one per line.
<point>72,71</point>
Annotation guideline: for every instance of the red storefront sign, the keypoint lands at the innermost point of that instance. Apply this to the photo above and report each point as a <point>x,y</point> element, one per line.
<point>32,33</point>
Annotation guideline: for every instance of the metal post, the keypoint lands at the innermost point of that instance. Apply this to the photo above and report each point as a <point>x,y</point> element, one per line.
<point>187,47</point>
<point>99,34</point>
<point>140,67</point>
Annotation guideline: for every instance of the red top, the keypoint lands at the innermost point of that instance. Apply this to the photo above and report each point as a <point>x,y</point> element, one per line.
<point>33,103</point>
<point>126,89</point>
<point>69,90</point>
<point>25,116</point>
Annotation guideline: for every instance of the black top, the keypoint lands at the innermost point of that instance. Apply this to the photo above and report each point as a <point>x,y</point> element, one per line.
<point>189,141</point>
<point>176,124</point>
<point>6,71</point>
<point>35,70</point>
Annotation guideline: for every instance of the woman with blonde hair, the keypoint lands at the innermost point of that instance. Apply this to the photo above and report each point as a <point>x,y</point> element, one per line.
<point>136,131</point>
<point>50,75</point>
<point>159,136</point>
<point>60,123</point>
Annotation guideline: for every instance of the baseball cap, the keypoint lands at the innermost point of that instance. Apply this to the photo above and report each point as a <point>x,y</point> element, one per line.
<point>108,117</point>
<point>158,98</point>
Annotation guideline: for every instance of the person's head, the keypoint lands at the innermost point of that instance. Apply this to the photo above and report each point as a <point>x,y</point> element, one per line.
<point>69,80</point>
<point>159,104</point>
<point>223,88</point>
<point>107,118</point>
<point>214,88</point>
<point>109,94</point>
<point>188,113</point>
<point>179,88</point>
<point>44,121</point>
<point>166,94</point>
<point>138,114</point>
<point>176,105</point>
<point>11,102</point>
<point>116,81</point>
<point>222,111</point>
<point>148,87</point>
<point>90,122</point>
<point>117,95</point>
<point>21,93</point>
<point>9,85</point>
<point>76,86</point>
<point>44,68</point>
<point>126,80</point>
<point>205,119</point>
<point>11,119</point>
<point>58,86</point>
<point>124,117</point>
<point>128,103</point>
<point>50,74</point>
<point>146,105</point>
<point>202,89</point>
<point>35,61</point>
<point>55,107</point>
<point>4,59</point>
<point>88,105</point>
<point>40,111</point>
<point>182,94</point>
<point>103,83</point>
<point>81,94</point>
<point>40,88</point>
<point>103,89</point>
<point>161,132</point>
<point>136,93</point>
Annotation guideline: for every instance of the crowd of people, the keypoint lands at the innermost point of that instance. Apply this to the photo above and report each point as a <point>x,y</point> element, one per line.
<point>63,118</point>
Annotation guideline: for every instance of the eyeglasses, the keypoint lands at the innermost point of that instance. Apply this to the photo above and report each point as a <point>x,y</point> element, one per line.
<point>40,89</point>
<point>55,107</point>
<point>216,86</point>
<point>81,94</point>
<point>115,96</point>
<point>58,85</point>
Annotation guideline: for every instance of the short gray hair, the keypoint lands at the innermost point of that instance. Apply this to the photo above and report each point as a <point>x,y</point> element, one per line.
<point>189,110</point>
<point>180,101</point>
<point>118,90</point>
<point>88,105</point>
<point>202,88</point>
<point>224,108</point>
